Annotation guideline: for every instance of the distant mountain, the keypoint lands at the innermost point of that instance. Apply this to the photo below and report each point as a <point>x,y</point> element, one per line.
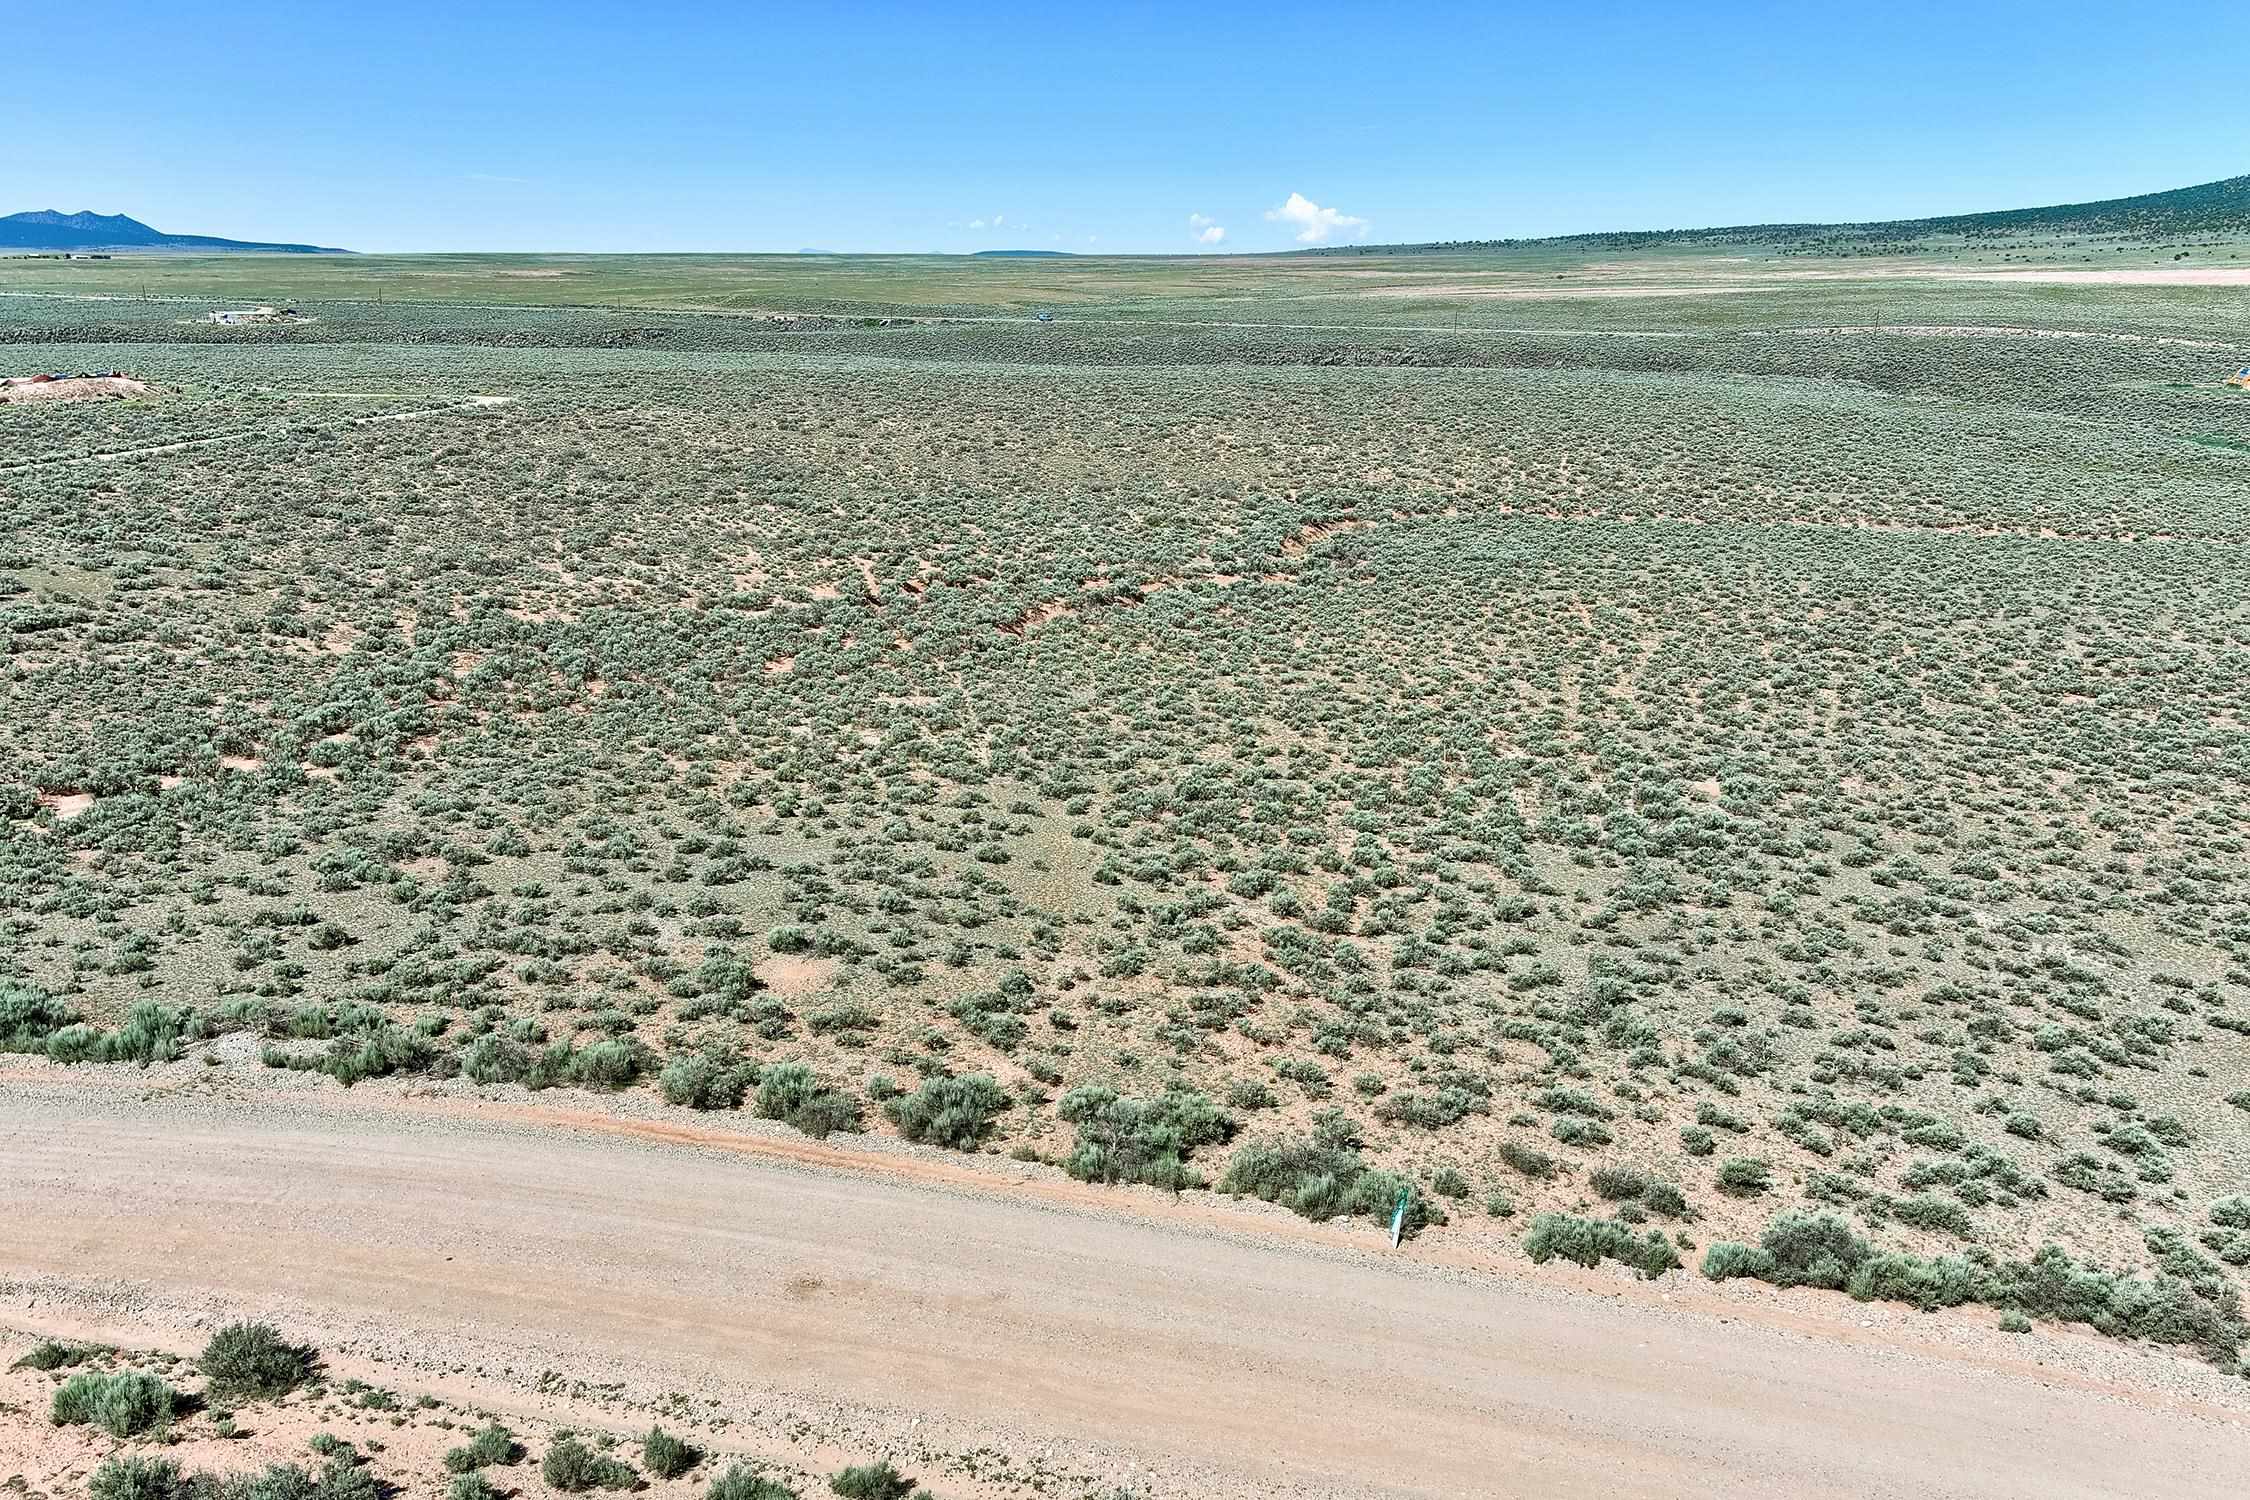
<point>1021,254</point>
<point>45,229</point>
<point>2211,208</point>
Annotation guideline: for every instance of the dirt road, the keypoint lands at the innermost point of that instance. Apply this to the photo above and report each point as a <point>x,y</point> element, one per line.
<point>1180,1360</point>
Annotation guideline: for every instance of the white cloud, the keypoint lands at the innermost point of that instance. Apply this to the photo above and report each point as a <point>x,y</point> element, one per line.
<point>1204,230</point>
<point>1314,223</point>
<point>976,223</point>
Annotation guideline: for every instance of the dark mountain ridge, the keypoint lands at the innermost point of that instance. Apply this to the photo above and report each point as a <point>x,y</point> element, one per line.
<point>46,229</point>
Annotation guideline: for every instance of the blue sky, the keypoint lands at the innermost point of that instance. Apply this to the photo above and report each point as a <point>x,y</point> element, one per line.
<point>1118,128</point>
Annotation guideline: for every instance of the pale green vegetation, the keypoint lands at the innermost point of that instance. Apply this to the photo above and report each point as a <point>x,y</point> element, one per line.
<point>124,1403</point>
<point>132,1476</point>
<point>1606,763</point>
<point>574,1466</point>
<point>252,1361</point>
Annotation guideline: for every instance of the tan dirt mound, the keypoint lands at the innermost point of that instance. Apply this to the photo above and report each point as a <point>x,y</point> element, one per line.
<point>30,388</point>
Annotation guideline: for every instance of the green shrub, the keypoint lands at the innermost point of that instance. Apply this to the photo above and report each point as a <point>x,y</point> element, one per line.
<point>492,1444</point>
<point>75,1044</point>
<point>1322,1179</point>
<point>1250,1094</point>
<point>1812,1249</point>
<point>955,1112</point>
<point>1434,1109</point>
<point>1449,1183</point>
<point>1665,1199</point>
<point>1726,1260</point>
<point>610,1064</point>
<point>1528,1160</point>
<point>1589,1242</point>
<point>826,1112</point>
<point>1697,1141</point>
<point>53,1355</point>
<point>1623,1184</point>
<point>1576,1130</point>
<point>666,1456</point>
<point>2014,1322</point>
<point>1798,1249</point>
<point>1123,1139</point>
<point>275,1482</point>
<point>701,1080</point>
<point>784,1087</point>
<point>153,1032</point>
<point>877,1481</point>
<point>340,1479</point>
<point>554,1065</point>
<point>252,1360</point>
<point>1616,1183</point>
<point>2231,1213</point>
<point>790,1093</point>
<point>742,1482</point>
<point>572,1467</point>
<point>2199,1309</point>
<point>495,1058</point>
<point>2204,1312</point>
<point>471,1486</point>
<point>1745,1177</point>
<point>122,1405</point>
<point>1934,1211</point>
<point>131,1477</point>
<point>378,1052</point>
<point>366,1044</point>
<point>29,1016</point>
<point>343,1479</point>
<point>1946,1281</point>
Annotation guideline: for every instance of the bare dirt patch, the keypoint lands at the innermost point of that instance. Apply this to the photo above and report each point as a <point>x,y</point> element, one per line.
<point>2111,276</point>
<point>26,390</point>
<point>1046,612</point>
<point>793,974</point>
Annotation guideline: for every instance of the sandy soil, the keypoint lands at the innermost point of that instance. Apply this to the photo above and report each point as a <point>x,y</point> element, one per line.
<point>20,390</point>
<point>798,974</point>
<point>814,1300</point>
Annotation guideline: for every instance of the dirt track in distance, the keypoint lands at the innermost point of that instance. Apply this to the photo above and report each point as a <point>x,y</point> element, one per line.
<point>1175,1358</point>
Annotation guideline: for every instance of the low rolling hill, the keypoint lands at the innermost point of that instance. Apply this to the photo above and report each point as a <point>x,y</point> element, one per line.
<point>2211,209</point>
